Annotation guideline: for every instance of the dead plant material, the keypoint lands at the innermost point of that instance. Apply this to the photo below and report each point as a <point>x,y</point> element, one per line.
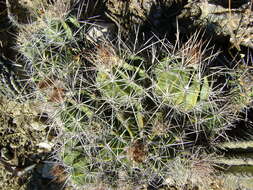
<point>53,89</point>
<point>47,83</point>
<point>192,53</point>
<point>137,151</point>
<point>60,173</point>
<point>57,95</point>
<point>105,56</point>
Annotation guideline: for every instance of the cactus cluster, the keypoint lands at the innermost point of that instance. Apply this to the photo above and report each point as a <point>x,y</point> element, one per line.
<point>125,120</point>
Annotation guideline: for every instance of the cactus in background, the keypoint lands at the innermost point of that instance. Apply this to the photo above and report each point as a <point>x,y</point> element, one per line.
<point>234,165</point>
<point>12,87</point>
<point>241,87</point>
<point>24,13</point>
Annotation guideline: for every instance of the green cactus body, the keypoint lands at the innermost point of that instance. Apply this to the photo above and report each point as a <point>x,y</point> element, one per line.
<point>74,119</point>
<point>119,146</point>
<point>181,87</point>
<point>80,166</point>
<point>87,163</point>
<point>118,85</point>
<point>236,159</point>
<point>120,88</point>
<point>77,116</point>
<point>236,145</point>
<point>50,43</point>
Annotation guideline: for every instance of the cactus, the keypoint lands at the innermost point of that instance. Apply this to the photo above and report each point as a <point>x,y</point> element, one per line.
<point>125,121</point>
<point>50,41</point>
<point>53,51</point>
<point>242,87</point>
<point>233,163</point>
<point>121,89</point>
<point>130,117</point>
<point>102,144</point>
<point>181,86</point>
<point>116,132</point>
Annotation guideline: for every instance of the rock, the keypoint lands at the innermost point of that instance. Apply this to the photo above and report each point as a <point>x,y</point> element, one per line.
<point>18,137</point>
<point>46,171</point>
<point>235,23</point>
<point>42,178</point>
<point>45,146</point>
<point>127,13</point>
<point>100,31</point>
<point>220,18</point>
<point>231,3</point>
